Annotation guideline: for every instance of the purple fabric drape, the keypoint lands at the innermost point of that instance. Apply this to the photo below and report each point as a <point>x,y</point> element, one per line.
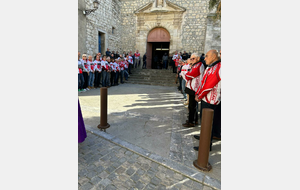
<point>81,127</point>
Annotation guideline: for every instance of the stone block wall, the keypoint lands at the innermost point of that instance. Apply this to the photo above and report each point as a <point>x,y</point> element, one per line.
<point>103,20</point>
<point>213,34</point>
<point>190,30</point>
<point>129,23</point>
<point>193,27</point>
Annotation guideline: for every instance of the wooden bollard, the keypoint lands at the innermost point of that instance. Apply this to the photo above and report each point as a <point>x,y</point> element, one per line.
<point>103,107</point>
<point>204,143</point>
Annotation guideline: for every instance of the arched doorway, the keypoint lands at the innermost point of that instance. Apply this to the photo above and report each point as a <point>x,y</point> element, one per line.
<point>158,43</point>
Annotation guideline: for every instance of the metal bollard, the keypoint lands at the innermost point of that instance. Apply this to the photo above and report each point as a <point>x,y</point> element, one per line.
<point>204,143</point>
<point>103,107</point>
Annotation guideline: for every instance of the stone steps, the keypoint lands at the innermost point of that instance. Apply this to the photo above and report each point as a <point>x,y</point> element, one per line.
<point>156,77</point>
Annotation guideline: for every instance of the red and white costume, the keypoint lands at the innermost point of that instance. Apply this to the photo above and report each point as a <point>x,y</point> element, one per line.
<point>104,65</point>
<point>175,56</point>
<point>130,60</point>
<point>88,65</point>
<point>85,65</point>
<point>137,55</point>
<point>184,70</point>
<point>210,90</point>
<point>122,65</point>
<point>92,66</point>
<point>80,66</point>
<point>116,67</point>
<point>126,64</point>
<point>194,76</point>
<point>98,65</point>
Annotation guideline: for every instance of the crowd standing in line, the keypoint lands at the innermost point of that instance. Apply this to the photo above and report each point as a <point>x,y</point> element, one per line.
<point>107,70</point>
<point>200,81</point>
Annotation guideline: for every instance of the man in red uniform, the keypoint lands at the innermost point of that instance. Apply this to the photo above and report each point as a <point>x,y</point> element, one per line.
<point>193,78</point>
<point>209,93</point>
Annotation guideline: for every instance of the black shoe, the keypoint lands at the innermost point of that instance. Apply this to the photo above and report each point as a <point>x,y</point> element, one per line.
<point>197,137</point>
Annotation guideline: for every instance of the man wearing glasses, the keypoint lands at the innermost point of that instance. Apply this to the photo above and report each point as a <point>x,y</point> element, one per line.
<point>193,78</point>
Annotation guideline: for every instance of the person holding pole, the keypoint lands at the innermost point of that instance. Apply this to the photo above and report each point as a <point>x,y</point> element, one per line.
<point>209,93</point>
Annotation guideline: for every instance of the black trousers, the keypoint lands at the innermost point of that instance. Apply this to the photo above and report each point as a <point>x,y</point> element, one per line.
<point>193,114</point>
<point>216,126</point>
<point>97,79</point>
<point>112,78</point>
<point>86,80</point>
<point>129,68</point>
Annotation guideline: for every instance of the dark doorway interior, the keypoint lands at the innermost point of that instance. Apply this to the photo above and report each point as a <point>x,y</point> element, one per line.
<point>158,50</point>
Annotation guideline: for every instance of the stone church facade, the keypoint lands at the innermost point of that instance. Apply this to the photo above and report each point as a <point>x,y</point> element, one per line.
<point>148,25</point>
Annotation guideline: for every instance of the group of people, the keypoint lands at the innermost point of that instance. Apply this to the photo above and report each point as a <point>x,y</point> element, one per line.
<point>104,71</point>
<point>200,81</point>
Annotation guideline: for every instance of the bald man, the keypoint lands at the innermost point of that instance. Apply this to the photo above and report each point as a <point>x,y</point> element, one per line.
<point>209,93</point>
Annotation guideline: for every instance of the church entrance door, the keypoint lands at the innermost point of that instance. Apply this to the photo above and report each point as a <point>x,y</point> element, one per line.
<point>158,43</point>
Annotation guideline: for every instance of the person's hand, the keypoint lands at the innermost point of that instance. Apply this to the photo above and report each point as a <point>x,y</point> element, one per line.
<point>196,98</point>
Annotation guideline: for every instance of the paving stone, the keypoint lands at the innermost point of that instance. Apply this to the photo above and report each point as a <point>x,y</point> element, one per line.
<point>103,175</point>
<point>105,182</point>
<point>83,180</point>
<point>151,173</point>
<point>91,174</point>
<point>139,185</point>
<point>110,187</point>
<point>112,176</point>
<point>128,153</point>
<point>156,181</point>
<point>129,183</point>
<point>178,176</point>
<point>120,170</point>
<point>86,186</point>
<point>140,172</point>
<point>197,185</point>
<point>162,187</point>
<point>110,169</point>
<point>122,160</point>
<point>130,171</point>
<point>95,180</point>
<point>135,177</point>
<point>145,179</point>
<point>123,169</point>
<point>124,177</point>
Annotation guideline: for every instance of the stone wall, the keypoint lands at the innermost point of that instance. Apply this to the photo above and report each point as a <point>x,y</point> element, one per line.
<point>103,20</point>
<point>190,26</point>
<point>188,29</point>
<point>193,27</point>
<point>81,27</point>
<point>129,23</point>
<point>213,34</point>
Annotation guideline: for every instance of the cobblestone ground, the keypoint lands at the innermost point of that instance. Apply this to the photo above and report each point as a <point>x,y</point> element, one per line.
<point>105,165</point>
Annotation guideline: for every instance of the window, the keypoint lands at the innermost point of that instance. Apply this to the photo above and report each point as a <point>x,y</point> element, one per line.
<point>113,30</point>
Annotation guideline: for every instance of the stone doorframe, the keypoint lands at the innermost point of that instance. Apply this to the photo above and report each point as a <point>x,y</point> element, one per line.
<point>157,34</point>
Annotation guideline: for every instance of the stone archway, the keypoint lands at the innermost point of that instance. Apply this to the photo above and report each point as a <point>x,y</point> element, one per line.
<point>158,43</point>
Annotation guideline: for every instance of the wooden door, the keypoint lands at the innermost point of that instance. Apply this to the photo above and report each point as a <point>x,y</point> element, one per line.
<point>149,55</point>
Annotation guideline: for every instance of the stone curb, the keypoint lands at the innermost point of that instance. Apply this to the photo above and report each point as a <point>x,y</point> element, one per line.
<point>188,172</point>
